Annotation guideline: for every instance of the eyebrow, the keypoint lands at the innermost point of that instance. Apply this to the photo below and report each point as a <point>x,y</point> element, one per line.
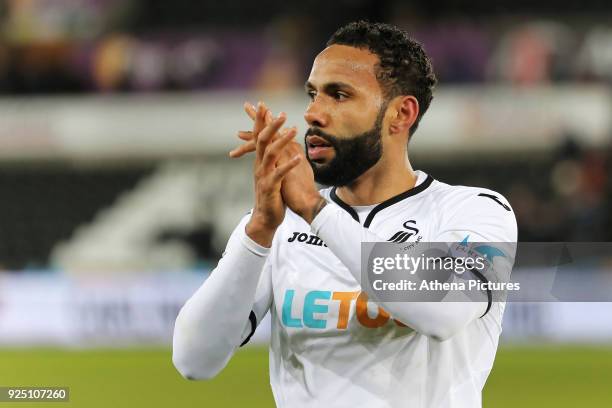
<point>330,86</point>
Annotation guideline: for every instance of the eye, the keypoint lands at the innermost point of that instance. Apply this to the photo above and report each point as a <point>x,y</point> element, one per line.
<point>340,96</point>
<point>311,94</point>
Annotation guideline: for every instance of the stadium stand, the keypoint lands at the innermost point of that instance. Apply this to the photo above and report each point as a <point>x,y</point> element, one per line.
<point>175,218</point>
<point>42,205</point>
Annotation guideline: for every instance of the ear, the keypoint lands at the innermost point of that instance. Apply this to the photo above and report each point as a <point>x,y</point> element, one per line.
<point>405,110</point>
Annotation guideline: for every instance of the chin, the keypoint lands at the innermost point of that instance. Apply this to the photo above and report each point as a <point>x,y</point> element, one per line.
<point>319,162</point>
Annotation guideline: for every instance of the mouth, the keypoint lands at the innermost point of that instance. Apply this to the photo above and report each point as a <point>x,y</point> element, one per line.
<point>316,141</point>
<point>318,148</point>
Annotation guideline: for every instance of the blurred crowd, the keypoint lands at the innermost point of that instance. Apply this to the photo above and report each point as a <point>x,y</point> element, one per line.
<point>563,196</point>
<point>74,46</point>
<point>579,207</point>
<point>112,46</point>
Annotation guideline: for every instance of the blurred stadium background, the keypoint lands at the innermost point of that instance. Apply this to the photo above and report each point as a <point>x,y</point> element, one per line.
<point>117,196</point>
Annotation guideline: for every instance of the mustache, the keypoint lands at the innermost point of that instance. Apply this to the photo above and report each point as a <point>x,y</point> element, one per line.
<point>315,131</point>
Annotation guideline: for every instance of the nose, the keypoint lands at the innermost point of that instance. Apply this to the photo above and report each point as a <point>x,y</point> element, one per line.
<point>315,115</point>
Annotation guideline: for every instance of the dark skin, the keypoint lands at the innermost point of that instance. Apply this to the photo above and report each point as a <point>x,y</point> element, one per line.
<point>345,100</point>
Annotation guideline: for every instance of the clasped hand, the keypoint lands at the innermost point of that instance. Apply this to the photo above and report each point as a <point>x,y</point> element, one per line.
<point>282,175</point>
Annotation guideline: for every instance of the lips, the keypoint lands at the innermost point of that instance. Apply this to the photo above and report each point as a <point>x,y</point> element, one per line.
<point>318,148</point>
<point>316,141</point>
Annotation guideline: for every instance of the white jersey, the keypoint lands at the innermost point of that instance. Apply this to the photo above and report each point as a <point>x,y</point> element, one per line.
<point>331,347</point>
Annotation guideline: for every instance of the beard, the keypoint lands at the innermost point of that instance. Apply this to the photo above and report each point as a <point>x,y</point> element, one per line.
<point>353,155</point>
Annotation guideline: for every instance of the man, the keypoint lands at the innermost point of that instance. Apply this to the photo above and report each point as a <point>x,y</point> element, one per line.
<point>297,253</point>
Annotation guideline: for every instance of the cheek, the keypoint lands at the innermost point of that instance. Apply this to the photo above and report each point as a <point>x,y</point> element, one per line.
<point>353,120</point>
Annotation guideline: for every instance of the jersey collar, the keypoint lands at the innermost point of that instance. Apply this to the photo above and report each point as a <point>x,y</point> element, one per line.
<point>393,200</point>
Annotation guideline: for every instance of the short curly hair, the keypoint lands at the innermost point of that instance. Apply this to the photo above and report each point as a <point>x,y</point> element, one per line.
<point>404,67</point>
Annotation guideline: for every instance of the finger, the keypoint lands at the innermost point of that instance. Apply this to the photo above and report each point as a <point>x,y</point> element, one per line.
<point>245,135</point>
<point>250,110</point>
<point>281,171</point>
<point>274,150</point>
<point>294,148</point>
<point>290,149</point>
<point>259,119</point>
<point>265,136</point>
<point>243,149</point>
<point>249,147</point>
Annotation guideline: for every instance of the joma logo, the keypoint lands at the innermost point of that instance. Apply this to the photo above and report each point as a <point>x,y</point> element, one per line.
<point>307,239</point>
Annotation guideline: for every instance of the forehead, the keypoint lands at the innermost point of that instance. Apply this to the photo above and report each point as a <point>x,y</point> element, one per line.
<point>343,63</point>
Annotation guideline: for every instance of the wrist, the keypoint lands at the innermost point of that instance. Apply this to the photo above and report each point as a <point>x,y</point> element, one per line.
<point>313,205</point>
<point>260,232</point>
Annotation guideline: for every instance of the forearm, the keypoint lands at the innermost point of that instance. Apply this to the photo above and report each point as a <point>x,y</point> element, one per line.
<point>343,235</point>
<point>211,324</point>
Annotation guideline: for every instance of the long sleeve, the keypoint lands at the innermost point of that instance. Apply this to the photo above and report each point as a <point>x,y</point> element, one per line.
<point>224,311</point>
<point>440,320</point>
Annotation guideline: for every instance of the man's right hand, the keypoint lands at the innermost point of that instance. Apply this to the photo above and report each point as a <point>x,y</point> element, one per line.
<point>298,190</point>
<point>269,210</point>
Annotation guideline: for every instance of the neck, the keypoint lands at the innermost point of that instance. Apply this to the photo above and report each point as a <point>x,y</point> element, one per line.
<point>384,180</point>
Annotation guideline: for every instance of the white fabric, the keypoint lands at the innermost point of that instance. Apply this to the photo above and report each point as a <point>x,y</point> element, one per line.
<point>330,346</point>
<point>214,321</point>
